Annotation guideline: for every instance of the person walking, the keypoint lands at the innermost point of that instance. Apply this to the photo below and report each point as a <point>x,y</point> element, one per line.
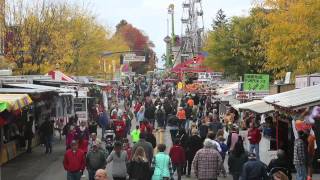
<point>145,145</point>
<point>177,155</point>
<point>47,131</point>
<point>194,144</point>
<point>135,135</point>
<point>212,137</point>
<point>207,162</point>
<point>96,159</point>
<point>119,158</point>
<point>233,138</point>
<point>254,137</point>
<point>224,150</point>
<point>70,136</point>
<point>181,115</point>
<point>236,160</point>
<point>150,111</point>
<point>28,134</point>
<point>162,165</point>
<point>215,125</point>
<point>103,121</point>
<point>254,169</point>
<point>139,167</point>
<point>140,115</point>
<point>160,116</point>
<point>300,156</point>
<point>74,162</point>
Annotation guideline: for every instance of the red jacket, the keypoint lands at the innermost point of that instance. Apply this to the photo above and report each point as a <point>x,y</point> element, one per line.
<point>177,154</point>
<point>254,136</point>
<point>74,162</point>
<point>120,127</point>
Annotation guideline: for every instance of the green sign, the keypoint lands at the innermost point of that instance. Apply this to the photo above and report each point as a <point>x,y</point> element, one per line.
<point>256,82</point>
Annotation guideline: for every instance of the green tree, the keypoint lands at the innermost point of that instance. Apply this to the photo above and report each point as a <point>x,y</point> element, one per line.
<point>292,37</point>
<point>235,47</point>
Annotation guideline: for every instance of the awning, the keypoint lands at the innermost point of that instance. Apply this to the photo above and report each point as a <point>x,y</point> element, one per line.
<point>191,65</point>
<point>258,106</point>
<point>296,99</point>
<point>41,87</point>
<point>12,102</point>
<point>23,91</point>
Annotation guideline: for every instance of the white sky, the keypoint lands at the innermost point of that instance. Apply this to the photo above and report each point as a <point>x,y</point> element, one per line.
<point>151,15</point>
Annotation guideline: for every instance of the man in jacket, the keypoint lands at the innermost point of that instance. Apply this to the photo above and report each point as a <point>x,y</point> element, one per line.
<point>254,137</point>
<point>254,169</point>
<point>96,159</point>
<point>207,162</point>
<point>74,162</point>
<point>148,149</point>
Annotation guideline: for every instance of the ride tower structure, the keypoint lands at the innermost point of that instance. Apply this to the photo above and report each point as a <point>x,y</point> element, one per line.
<point>192,30</point>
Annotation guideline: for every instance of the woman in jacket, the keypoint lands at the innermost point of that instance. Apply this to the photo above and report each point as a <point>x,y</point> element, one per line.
<point>162,165</point>
<point>139,168</point>
<point>237,159</point>
<point>119,160</point>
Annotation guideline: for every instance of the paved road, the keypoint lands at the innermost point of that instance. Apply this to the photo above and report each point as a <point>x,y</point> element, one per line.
<point>39,166</point>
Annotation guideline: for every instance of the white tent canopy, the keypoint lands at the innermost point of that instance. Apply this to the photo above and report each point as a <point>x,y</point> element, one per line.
<point>295,99</point>
<point>258,106</point>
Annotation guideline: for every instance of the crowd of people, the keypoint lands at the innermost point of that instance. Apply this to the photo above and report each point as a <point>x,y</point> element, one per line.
<point>201,141</point>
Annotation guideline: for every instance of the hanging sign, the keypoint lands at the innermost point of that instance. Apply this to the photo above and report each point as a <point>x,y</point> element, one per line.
<point>256,82</point>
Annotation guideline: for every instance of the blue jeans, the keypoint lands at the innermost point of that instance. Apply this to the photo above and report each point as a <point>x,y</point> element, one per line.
<point>255,147</point>
<point>91,174</point>
<point>73,175</point>
<point>48,143</point>
<point>301,172</point>
<point>103,131</point>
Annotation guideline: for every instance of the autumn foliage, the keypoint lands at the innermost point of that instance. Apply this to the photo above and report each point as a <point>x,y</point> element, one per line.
<point>139,42</point>
<point>42,36</point>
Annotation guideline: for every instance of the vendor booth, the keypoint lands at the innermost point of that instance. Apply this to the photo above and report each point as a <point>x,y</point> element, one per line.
<point>10,107</point>
<point>289,107</point>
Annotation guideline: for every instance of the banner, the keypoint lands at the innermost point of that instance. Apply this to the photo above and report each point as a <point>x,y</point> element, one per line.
<point>256,82</point>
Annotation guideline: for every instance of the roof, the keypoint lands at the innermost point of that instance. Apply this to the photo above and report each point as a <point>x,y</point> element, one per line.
<point>59,76</point>
<point>14,101</point>
<point>258,106</point>
<point>41,87</point>
<point>22,91</point>
<point>298,98</point>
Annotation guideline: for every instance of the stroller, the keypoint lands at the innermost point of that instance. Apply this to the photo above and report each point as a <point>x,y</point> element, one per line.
<point>276,169</point>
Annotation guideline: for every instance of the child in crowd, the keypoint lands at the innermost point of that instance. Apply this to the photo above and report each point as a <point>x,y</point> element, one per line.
<point>224,150</point>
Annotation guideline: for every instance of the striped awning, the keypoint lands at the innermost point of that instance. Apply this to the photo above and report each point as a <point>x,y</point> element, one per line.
<point>12,102</point>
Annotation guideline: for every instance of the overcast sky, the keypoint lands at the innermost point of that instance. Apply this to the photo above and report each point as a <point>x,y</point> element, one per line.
<point>151,15</point>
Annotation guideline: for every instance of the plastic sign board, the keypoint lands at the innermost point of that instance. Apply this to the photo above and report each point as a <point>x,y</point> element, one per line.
<point>256,82</point>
